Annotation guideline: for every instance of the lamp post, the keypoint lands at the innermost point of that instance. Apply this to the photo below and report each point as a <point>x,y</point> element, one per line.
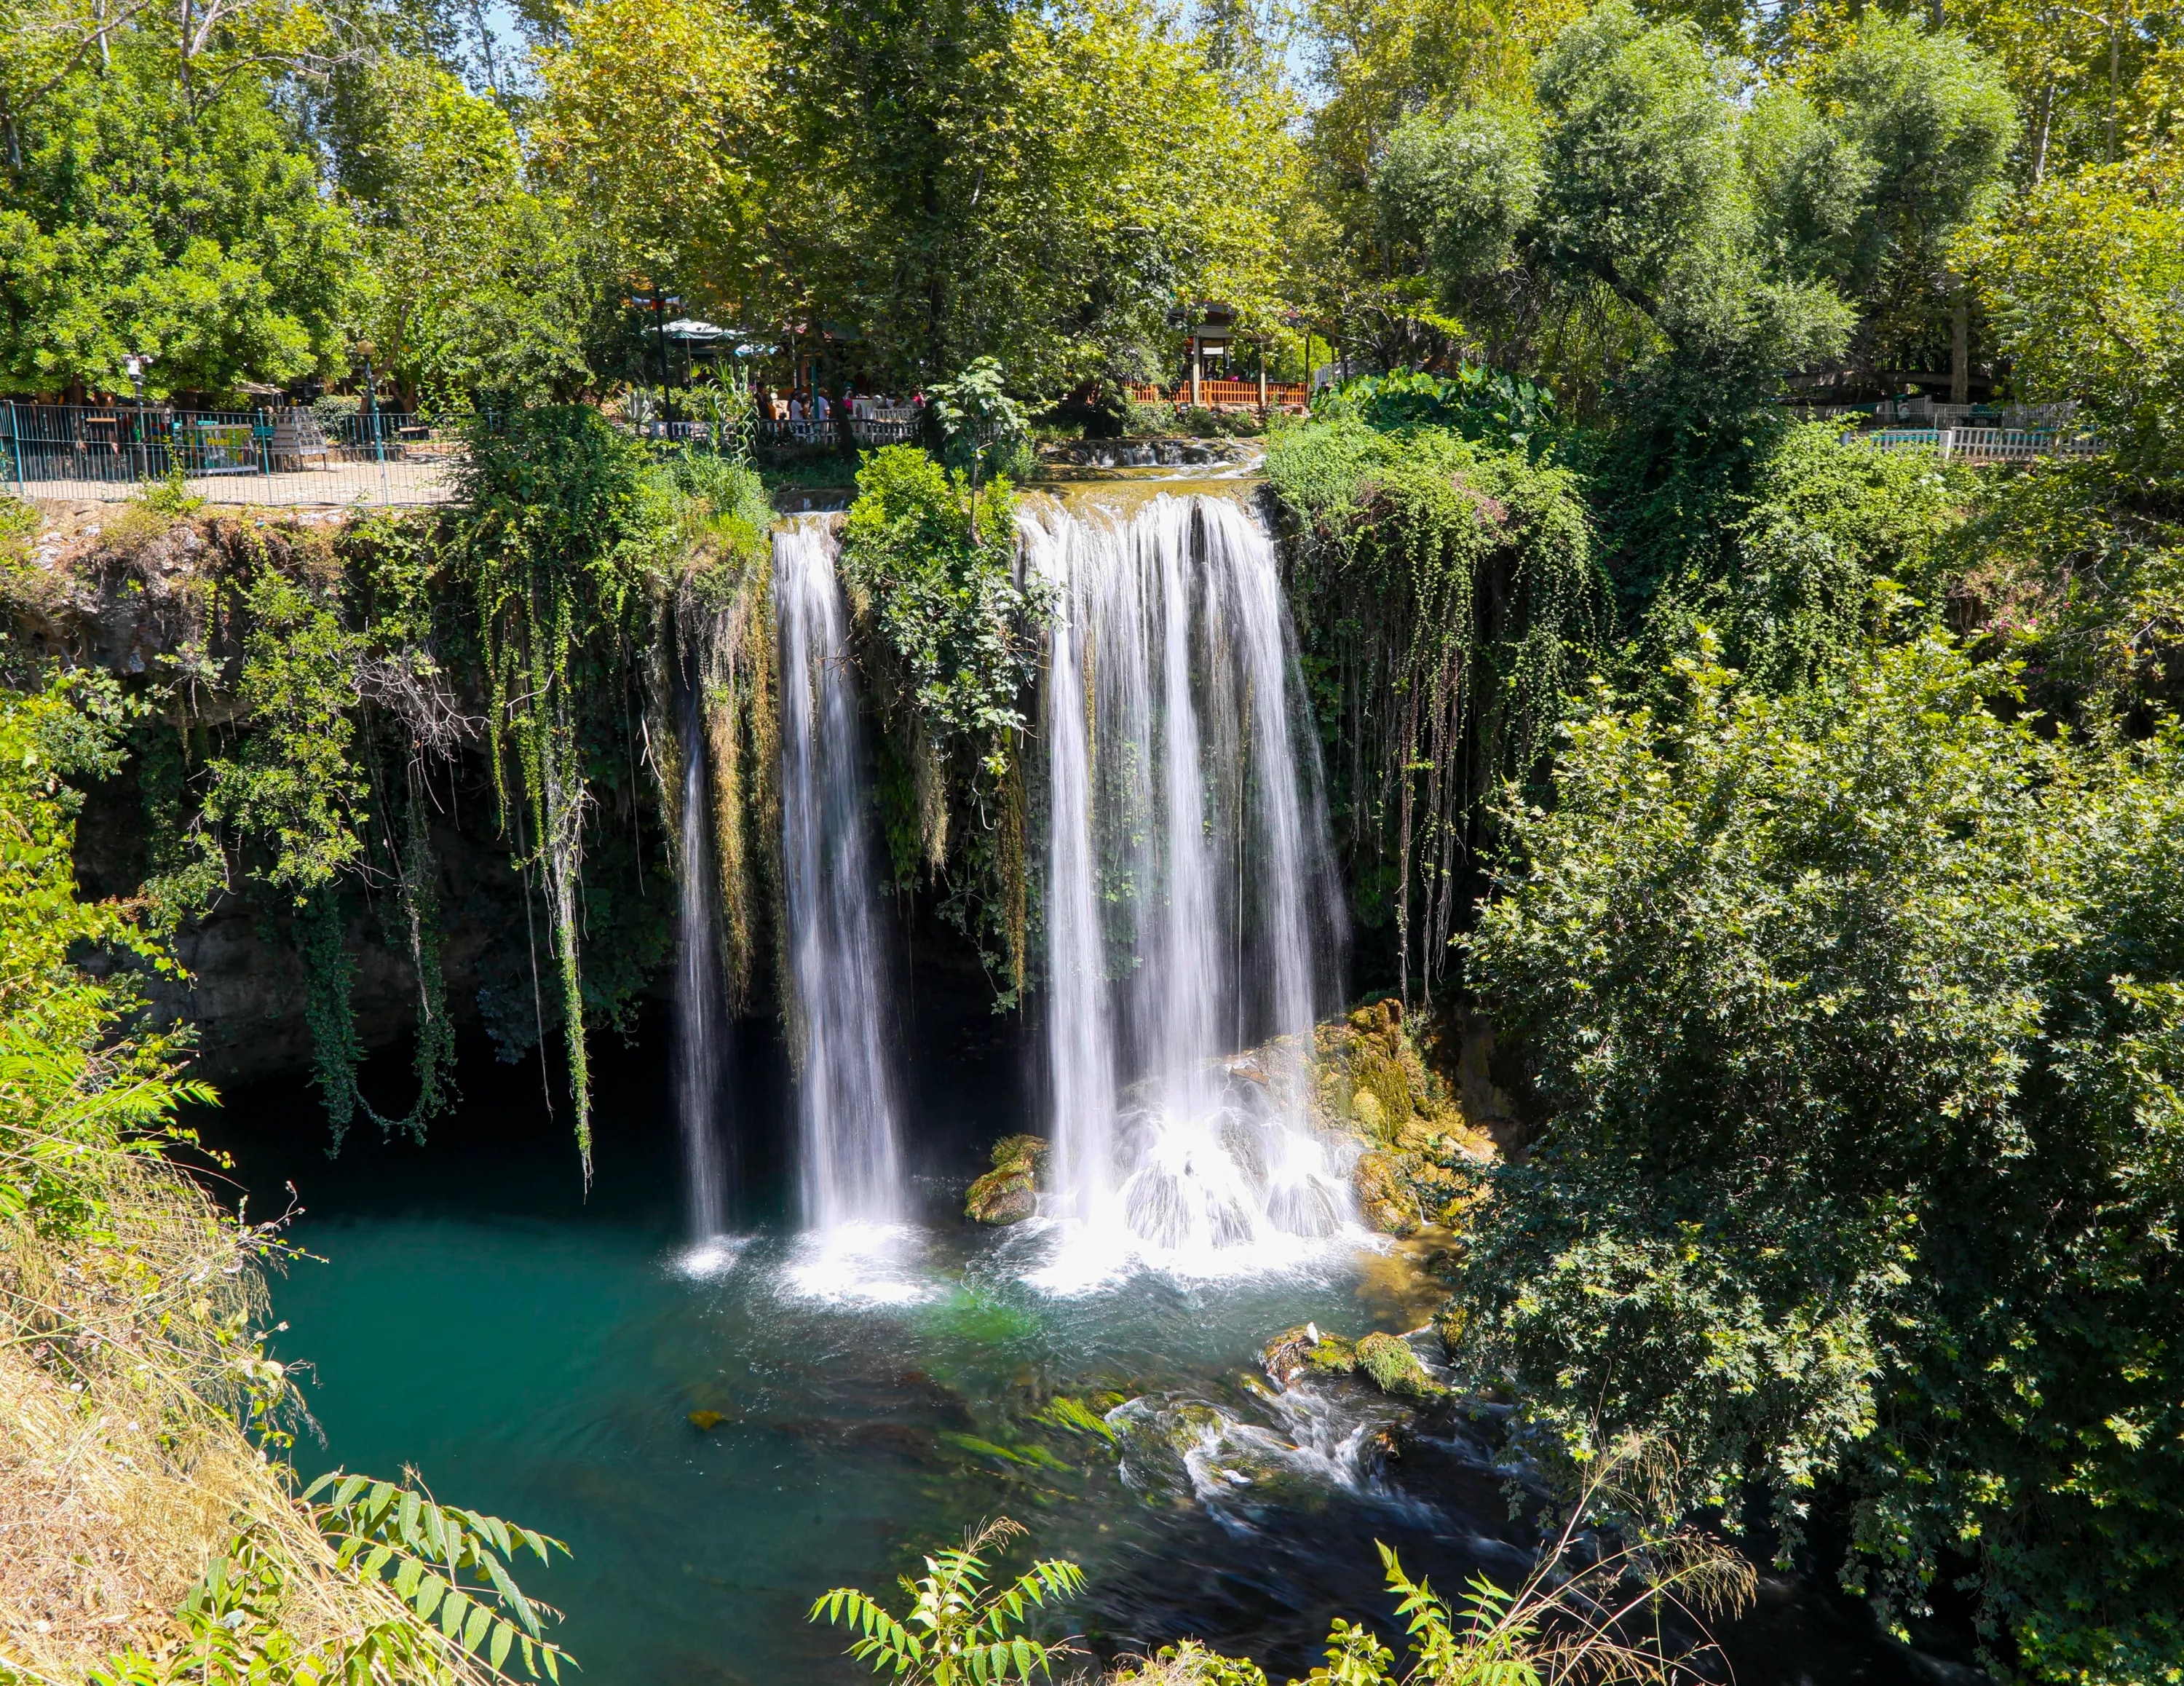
<point>364,348</point>
<point>656,299</point>
<point>660,329</point>
<point>136,363</point>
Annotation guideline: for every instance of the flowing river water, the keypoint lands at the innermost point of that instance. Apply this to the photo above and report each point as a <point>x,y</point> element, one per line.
<point>539,1356</point>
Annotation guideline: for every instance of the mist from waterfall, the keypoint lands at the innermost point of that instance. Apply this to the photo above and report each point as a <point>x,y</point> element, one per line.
<point>701,1026</point>
<point>1189,904</point>
<point>850,1165</point>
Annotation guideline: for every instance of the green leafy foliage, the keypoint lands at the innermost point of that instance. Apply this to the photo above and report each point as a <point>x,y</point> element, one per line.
<point>560,521</point>
<point>1852,1020</point>
<point>1588,1611</point>
<point>294,781</point>
<point>984,427</point>
<point>450,1565</point>
<point>1484,404</point>
<point>1447,600</point>
<point>210,246</point>
<point>2085,280</point>
<point>958,1628</point>
<point>450,1610</point>
<point>481,295</point>
<point>953,637</point>
<point>2078,566</point>
<point>75,1089</point>
<point>1791,579</point>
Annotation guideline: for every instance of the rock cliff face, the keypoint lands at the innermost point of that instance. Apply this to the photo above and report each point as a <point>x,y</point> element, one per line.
<point>114,588</point>
<point>1422,1104</point>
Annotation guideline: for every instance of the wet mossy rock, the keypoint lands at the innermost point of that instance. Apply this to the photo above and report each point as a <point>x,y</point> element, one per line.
<point>1389,1362</point>
<point>1372,1080</point>
<point>1009,1192</point>
<point>1306,1350</point>
<point>1385,1361</point>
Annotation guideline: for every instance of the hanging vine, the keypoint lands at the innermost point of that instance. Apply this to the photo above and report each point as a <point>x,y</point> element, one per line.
<point>716,634</point>
<point>949,639</point>
<point>1447,600</point>
<point>559,522</point>
<point>324,686</point>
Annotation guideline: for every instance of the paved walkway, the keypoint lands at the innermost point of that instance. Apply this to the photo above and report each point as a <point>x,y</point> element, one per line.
<point>336,484</point>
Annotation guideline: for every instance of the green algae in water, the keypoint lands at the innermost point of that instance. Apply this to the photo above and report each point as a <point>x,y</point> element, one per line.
<point>968,1317</point>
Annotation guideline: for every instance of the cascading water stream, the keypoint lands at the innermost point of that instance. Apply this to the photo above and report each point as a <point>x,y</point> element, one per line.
<point>851,1158</point>
<point>700,1025</point>
<point>1189,912</point>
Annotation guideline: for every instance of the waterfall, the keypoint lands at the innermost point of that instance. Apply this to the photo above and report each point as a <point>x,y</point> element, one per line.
<point>850,1165</point>
<point>1189,912</point>
<point>700,1024</point>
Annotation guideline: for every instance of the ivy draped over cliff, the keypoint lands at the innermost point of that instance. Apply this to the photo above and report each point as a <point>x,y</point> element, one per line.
<point>558,528</point>
<point>950,638</point>
<point>312,705</point>
<point>1446,599</point>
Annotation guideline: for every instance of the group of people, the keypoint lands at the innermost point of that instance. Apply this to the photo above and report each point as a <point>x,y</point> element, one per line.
<point>801,404</point>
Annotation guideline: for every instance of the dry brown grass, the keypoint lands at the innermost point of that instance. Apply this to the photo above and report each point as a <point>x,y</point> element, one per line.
<point>127,1363</point>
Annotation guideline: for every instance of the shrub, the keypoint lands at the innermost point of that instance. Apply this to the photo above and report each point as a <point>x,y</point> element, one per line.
<point>951,642</point>
<point>957,1630</point>
<point>1855,1019</point>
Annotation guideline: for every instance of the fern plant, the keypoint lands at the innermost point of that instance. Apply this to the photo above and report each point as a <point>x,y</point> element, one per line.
<point>449,1613</point>
<point>1494,1644</point>
<point>449,1565</point>
<point>957,1627</point>
<point>1589,1614</point>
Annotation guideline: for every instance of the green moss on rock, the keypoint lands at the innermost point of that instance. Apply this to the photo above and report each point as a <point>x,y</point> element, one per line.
<point>1009,1192</point>
<point>1392,1367</point>
<point>1384,1194</point>
<point>1306,1350</point>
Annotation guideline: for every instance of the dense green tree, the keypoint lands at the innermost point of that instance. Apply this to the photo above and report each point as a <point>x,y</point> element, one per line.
<point>481,288</point>
<point>2084,278</point>
<point>927,181</point>
<point>1807,551</point>
<point>1851,1020</point>
<point>1625,187</point>
<point>153,209</point>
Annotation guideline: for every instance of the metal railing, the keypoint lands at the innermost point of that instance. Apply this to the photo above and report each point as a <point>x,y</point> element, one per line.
<point>836,433</point>
<point>94,452</point>
<point>287,455</point>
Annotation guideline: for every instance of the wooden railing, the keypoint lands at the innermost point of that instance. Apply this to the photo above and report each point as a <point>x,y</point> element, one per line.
<point>1247,394</point>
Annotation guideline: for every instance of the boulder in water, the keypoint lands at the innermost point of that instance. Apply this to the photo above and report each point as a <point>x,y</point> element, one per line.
<point>1009,1192</point>
<point>1307,1351</point>
<point>1392,1367</point>
<point>1384,1196</point>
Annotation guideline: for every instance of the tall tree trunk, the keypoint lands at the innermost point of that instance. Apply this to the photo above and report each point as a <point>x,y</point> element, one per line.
<point>1960,349</point>
<point>2040,131</point>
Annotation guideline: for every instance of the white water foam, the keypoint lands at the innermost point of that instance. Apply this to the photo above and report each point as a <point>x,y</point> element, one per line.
<point>714,1256</point>
<point>861,1265</point>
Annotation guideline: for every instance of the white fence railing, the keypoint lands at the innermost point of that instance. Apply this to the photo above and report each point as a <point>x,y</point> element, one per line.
<point>1980,444</point>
